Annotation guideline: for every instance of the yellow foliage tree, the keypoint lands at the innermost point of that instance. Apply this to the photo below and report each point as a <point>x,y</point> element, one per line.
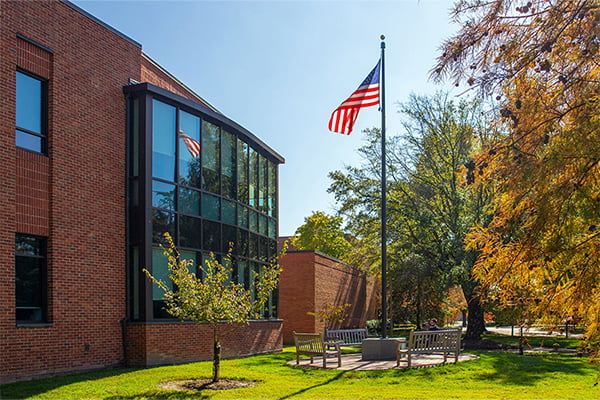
<point>540,62</point>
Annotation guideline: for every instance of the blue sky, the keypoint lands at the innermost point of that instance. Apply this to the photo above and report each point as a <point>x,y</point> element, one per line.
<point>279,68</point>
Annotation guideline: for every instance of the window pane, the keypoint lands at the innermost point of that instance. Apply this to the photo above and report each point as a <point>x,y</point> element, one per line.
<point>253,179</point>
<point>272,228</point>
<point>228,169</point>
<point>264,229</point>
<point>242,273</point>
<point>189,201</point>
<point>30,278</point>
<point>210,157</point>
<point>29,141</point>
<point>242,172</point>
<point>160,271</point>
<point>242,243</point>
<point>189,166</point>
<point>253,221</point>
<point>163,141</point>
<point>190,255</point>
<point>211,206</point>
<point>242,216</point>
<point>272,198</point>
<point>29,103</point>
<point>190,232</point>
<point>211,236</point>
<point>229,212</point>
<point>229,238</point>
<point>28,288</point>
<point>262,184</point>
<point>162,222</point>
<point>163,195</point>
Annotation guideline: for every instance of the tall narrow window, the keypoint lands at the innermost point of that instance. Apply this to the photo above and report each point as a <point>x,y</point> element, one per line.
<point>31,113</point>
<point>30,278</point>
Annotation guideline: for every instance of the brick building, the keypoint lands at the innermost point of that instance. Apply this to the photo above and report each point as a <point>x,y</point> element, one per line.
<point>311,279</point>
<point>92,171</point>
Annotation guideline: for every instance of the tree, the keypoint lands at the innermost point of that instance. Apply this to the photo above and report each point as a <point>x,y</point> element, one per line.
<point>323,233</point>
<point>540,60</point>
<point>214,299</point>
<point>430,206</point>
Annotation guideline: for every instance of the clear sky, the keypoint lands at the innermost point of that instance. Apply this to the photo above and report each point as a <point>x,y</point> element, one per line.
<point>279,68</point>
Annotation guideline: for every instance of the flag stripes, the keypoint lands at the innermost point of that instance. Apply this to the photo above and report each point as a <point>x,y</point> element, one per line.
<point>343,118</point>
<point>192,145</point>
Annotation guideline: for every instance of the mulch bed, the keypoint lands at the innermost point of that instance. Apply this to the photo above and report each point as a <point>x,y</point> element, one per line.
<point>206,384</point>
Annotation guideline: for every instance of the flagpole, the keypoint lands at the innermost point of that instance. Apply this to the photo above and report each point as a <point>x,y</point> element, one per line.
<point>383,197</point>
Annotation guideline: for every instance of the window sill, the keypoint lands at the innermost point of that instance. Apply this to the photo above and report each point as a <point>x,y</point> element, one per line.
<point>33,324</point>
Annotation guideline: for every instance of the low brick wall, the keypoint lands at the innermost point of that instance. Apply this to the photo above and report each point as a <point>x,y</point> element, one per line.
<point>164,343</point>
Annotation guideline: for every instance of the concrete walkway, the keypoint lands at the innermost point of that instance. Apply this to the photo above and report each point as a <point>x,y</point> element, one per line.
<point>354,362</point>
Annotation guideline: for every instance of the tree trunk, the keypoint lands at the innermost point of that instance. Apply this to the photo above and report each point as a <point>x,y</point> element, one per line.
<point>476,323</point>
<point>216,357</point>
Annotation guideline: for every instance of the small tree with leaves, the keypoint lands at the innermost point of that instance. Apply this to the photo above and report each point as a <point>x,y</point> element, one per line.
<point>214,299</point>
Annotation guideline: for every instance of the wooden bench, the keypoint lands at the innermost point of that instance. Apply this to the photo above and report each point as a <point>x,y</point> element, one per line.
<point>427,342</point>
<point>348,337</point>
<point>312,344</point>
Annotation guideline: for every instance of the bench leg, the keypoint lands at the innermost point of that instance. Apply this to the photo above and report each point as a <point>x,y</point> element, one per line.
<point>297,359</point>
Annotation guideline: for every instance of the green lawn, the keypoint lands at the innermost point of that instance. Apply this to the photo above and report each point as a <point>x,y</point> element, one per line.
<point>495,376</point>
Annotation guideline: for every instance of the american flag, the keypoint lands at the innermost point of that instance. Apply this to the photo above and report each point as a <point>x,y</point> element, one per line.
<point>192,145</point>
<point>343,118</point>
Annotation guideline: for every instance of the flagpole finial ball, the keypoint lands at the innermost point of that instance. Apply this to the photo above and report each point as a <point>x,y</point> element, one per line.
<point>382,37</point>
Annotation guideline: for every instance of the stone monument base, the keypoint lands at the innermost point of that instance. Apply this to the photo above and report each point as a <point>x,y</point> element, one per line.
<point>381,349</point>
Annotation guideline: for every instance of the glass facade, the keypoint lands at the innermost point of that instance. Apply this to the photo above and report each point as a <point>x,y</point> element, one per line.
<point>224,199</point>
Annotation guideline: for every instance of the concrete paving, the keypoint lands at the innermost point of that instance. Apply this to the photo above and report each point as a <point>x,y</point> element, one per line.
<point>354,362</point>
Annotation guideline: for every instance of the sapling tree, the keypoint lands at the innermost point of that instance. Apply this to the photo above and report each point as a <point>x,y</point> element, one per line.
<point>214,299</point>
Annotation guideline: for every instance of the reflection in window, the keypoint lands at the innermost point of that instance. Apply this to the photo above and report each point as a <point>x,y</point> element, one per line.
<point>189,166</point>
<point>211,236</point>
<point>253,179</point>
<point>242,216</point>
<point>211,206</point>
<point>229,216</point>
<point>229,238</point>
<point>162,222</point>
<point>163,141</point>
<point>30,278</point>
<point>242,172</point>
<point>160,270</point>
<point>211,157</point>
<point>189,201</point>
<point>262,184</point>
<point>30,113</point>
<point>242,243</point>
<point>228,170</point>
<point>163,195</point>
<point>190,232</point>
<point>272,196</point>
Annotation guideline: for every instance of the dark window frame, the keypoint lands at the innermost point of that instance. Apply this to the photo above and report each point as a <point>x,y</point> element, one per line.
<point>43,135</point>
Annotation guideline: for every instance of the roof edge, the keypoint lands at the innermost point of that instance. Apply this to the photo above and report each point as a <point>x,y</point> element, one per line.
<point>104,24</point>
<point>186,87</point>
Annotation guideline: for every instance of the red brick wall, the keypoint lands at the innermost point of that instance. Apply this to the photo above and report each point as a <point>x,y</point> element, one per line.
<point>309,280</point>
<point>297,293</point>
<point>159,343</point>
<point>75,195</point>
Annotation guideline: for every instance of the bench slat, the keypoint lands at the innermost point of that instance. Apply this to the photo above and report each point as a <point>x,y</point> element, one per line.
<point>441,341</point>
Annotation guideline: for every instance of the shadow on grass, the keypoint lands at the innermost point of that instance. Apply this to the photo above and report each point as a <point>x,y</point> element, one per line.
<point>26,389</point>
<point>306,389</point>
<point>523,370</point>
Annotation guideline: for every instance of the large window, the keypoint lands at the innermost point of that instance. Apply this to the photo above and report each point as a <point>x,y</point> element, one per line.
<point>30,278</point>
<point>31,113</point>
<point>210,186</point>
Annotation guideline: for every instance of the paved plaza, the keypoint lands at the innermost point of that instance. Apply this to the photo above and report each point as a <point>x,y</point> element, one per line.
<point>354,362</point>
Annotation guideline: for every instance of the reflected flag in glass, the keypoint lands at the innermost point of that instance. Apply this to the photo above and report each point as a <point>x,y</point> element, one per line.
<point>192,145</point>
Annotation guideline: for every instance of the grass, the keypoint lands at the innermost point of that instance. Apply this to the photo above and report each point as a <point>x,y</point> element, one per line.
<point>538,341</point>
<point>495,375</point>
